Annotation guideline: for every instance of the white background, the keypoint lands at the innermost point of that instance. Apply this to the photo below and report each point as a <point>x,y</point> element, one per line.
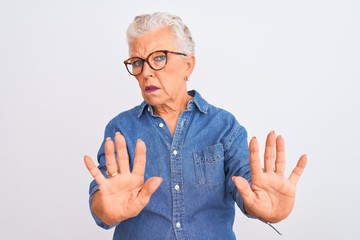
<point>288,66</point>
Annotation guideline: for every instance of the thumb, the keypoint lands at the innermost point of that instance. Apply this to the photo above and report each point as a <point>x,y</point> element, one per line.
<point>244,189</point>
<point>150,186</point>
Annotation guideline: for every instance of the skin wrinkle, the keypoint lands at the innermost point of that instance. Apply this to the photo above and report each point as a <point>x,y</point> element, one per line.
<point>171,99</point>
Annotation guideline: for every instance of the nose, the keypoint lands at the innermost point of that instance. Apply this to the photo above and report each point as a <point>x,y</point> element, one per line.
<point>147,70</point>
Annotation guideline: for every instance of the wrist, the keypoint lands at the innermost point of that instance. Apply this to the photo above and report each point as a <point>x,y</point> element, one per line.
<point>98,208</point>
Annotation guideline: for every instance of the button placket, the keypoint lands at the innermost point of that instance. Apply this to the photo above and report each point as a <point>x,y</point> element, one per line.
<point>176,171</point>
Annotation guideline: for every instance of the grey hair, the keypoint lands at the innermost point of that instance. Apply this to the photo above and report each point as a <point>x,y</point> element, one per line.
<point>143,24</point>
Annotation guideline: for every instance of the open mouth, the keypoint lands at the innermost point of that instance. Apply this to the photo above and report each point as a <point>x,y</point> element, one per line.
<point>151,88</point>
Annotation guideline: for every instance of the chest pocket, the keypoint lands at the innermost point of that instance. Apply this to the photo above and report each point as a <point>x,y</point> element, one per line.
<point>209,167</point>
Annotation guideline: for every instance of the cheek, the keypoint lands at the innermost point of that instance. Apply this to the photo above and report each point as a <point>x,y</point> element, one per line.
<point>173,75</point>
<point>140,81</point>
<point>177,71</point>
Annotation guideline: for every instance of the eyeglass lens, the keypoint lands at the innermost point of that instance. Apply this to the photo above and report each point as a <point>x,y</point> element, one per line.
<point>156,60</point>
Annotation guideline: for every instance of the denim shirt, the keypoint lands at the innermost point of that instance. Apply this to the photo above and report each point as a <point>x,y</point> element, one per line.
<point>196,199</point>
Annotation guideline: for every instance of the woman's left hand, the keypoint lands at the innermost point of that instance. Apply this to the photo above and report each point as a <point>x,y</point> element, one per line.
<point>271,196</point>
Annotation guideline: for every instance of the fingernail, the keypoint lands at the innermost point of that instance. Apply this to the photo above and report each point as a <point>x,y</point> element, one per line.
<point>108,139</point>
<point>117,133</point>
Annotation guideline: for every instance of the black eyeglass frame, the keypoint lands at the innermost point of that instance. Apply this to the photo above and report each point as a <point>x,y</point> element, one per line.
<point>127,61</point>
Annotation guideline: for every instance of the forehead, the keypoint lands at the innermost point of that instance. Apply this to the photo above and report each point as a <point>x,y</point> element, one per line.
<point>159,39</point>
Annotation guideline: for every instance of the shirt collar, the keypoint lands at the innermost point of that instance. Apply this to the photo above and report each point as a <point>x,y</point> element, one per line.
<point>197,101</point>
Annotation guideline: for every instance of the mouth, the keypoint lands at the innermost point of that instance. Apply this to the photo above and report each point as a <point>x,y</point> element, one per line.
<point>151,88</point>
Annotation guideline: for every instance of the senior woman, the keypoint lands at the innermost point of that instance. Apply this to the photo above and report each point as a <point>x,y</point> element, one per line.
<point>196,162</point>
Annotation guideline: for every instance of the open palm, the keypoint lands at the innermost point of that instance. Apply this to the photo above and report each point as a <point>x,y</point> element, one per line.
<point>271,196</point>
<point>124,194</point>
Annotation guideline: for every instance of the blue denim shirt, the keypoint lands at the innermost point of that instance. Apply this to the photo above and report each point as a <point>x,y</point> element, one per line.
<point>196,198</point>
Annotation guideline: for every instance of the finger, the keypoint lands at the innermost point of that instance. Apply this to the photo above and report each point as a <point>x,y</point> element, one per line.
<point>140,158</point>
<point>122,154</point>
<point>296,173</point>
<point>150,186</point>
<point>269,155</point>
<point>94,171</point>
<point>280,161</point>
<point>111,165</point>
<point>244,189</point>
<point>255,165</point>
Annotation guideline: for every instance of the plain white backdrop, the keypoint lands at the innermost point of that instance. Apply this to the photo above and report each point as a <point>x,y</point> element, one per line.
<point>288,66</point>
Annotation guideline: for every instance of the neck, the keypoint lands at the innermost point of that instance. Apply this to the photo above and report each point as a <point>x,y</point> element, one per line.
<point>171,112</point>
<point>172,109</point>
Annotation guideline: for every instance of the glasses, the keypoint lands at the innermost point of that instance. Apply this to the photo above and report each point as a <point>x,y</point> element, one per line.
<point>156,60</point>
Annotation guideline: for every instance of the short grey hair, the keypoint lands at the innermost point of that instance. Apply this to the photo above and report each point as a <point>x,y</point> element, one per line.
<point>143,24</point>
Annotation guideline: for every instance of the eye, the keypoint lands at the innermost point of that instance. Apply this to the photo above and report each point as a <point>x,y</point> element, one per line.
<point>160,58</point>
<point>136,63</point>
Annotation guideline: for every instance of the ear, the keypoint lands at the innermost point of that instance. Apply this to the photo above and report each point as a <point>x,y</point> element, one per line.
<point>190,64</point>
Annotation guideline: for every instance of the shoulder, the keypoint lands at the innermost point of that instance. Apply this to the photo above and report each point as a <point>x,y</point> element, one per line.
<point>126,117</point>
<point>219,118</point>
<point>222,115</point>
<point>220,111</point>
<point>208,108</point>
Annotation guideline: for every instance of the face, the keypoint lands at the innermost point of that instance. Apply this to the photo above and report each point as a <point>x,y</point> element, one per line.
<point>168,85</point>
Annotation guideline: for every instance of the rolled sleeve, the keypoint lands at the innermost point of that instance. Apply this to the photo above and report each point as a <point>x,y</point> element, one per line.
<point>237,164</point>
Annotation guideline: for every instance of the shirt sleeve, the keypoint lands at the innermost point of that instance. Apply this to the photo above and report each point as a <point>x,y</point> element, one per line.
<point>236,161</point>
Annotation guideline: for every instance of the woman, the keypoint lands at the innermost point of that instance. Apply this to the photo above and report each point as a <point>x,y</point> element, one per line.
<point>196,162</point>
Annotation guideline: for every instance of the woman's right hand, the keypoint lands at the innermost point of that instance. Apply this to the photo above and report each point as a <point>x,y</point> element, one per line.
<point>124,194</point>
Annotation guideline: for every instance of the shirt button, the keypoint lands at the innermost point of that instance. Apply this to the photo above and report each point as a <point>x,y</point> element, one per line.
<point>174,152</point>
<point>161,125</point>
<point>178,225</point>
<point>177,187</point>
